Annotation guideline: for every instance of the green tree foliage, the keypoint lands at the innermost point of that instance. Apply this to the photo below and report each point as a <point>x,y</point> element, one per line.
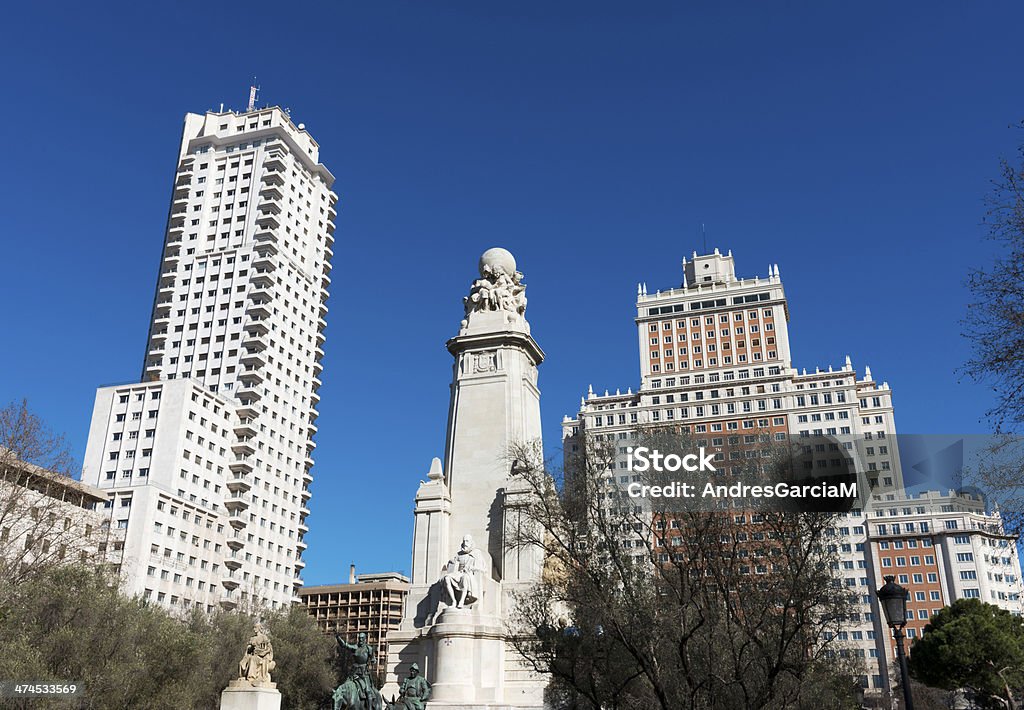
<point>971,644</point>
<point>71,624</point>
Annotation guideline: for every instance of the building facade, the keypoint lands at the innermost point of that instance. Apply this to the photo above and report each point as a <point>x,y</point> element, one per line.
<point>715,361</point>
<point>370,603</point>
<point>47,520</point>
<point>206,461</point>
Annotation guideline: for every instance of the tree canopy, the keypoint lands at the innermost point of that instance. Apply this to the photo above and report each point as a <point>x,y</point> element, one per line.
<point>971,644</point>
<point>71,625</point>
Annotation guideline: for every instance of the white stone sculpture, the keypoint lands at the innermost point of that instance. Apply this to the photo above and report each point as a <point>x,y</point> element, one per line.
<point>461,579</point>
<point>499,288</point>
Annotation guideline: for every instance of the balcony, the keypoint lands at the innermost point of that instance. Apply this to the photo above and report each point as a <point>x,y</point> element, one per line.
<point>238,520</point>
<point>263,277</point>
<point>309,461</point>
<point>245,427</point>
<point>297,582</point>
<point>244,447</point>
<point>269,207</point>
<point>313,411</point>
<point>247,408</point>
<point>268,221</point>
<point>236,541</point>
<point>300,563</point>
<point>228,601</point>
<point>249,392</point>
<point>232,562</point>
<point>325,281</point>
<point>307,476</point>
<point>275,144</point>
<point>274,161</point>
<point>231,580</point>
<point>258,309</point>
<point>254,342</point>
<point>266,242</point>
<point>306,494</point>
<point>271,192</point>
<point>320,338</point>
<point>254,358</point>
<point>259,325</point>
<point>251,376</point>
<point>304,511</point>
<point>263,262</point>
<point>319,352</point>
<point>317,368</point>
<point>317,384</point>
<point>273,177</point>
<point>242,464</point>
<point>301,545</point>
<point>239,482</point>
<point>179,205</point>
<point>237,501</point>
<point>312,428</point>
<point>303,527</point>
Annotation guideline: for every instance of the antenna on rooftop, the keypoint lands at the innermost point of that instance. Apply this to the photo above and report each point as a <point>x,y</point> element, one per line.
<point>704,234</point>
<point>253,91</point>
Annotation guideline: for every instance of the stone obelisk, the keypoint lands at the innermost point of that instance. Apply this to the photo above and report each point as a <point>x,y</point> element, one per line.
<point>463,570</point>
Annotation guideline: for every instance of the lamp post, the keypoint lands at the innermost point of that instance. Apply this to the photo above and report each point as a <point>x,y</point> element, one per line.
<point>893,600</point>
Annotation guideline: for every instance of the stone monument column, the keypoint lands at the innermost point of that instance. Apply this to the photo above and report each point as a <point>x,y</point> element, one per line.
<point>455,621</point>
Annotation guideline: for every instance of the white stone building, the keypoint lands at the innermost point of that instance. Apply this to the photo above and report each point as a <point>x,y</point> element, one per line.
<point>207,460</point>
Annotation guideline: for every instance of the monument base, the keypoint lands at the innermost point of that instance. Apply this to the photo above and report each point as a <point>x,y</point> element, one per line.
<point>243,695</point>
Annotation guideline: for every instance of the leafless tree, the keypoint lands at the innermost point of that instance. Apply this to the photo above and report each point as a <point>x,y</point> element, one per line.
<point>995,319</point>
<point>644,607</point>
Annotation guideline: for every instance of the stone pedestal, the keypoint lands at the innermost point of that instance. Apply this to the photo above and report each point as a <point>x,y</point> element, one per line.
<point>468,650</point>
<point>243,695</point>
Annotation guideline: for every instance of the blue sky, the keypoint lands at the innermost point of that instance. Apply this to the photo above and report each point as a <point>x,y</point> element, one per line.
<point>851,144</point>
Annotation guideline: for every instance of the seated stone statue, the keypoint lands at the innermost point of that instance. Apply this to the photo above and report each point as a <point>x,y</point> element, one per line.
<point>258,661</point>
<point>461,579</point>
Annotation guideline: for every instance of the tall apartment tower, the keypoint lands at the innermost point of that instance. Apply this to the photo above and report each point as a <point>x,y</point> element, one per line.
<point>206,461</point>
<point>715,360</point>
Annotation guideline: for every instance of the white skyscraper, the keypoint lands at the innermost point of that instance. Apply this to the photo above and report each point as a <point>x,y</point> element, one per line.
<point>206,462</point>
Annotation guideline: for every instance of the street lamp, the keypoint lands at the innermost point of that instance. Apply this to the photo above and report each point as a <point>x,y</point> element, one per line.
<point>893,599</point>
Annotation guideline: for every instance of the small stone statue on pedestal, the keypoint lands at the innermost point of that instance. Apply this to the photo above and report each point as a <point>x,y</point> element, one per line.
<point>258,661</point>
<point>461,578</point>
<point>253,689</point>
